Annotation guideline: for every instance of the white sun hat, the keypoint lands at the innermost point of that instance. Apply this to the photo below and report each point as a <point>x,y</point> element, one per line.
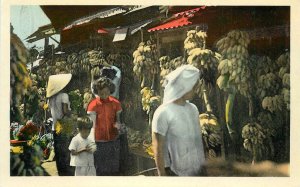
<point>179,82</point>
<point>56,83</point>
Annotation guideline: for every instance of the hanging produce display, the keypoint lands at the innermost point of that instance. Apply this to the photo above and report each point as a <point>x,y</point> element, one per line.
<point>146,64</point>
<point>203,59</point>
<point>20,80</point>
<point>211,130</point>
<point>233,71</point>
<point>284,73</point>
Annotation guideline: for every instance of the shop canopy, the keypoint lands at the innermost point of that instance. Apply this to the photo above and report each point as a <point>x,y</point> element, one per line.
<point>99,15</point>
<point>42,32</point>
<point>182,19</point>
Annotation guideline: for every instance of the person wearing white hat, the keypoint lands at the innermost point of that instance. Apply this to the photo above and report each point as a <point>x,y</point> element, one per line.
<point>176,138</point>
<point>59,105</point>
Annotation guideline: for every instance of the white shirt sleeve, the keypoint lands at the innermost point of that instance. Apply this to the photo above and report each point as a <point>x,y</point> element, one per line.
<point>72,145</point>
<point>65,99</point>
<point>118,74</point>
<point>159,122</point>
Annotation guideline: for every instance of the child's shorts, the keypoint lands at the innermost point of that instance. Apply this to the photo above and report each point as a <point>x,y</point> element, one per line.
<point>85,171</point>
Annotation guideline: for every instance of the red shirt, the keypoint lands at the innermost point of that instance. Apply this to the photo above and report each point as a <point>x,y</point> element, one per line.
<point>106,110</point>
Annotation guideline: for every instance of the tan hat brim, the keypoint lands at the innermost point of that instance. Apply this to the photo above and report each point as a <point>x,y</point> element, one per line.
<point>56,83</point>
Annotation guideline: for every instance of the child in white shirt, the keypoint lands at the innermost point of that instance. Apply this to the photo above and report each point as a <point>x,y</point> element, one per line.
<point>82,149</point>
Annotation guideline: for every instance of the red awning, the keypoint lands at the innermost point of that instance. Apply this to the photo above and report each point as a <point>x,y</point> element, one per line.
<point>102,31</point>
<point>183,21</point>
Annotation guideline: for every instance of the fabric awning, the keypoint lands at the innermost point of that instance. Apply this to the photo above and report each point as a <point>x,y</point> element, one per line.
<point>102,31</point>
<point>183,21</point>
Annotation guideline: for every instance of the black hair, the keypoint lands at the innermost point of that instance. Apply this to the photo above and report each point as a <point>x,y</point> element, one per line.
<point>84,123</point>
<point>103,82</point>
<point>108,72</point>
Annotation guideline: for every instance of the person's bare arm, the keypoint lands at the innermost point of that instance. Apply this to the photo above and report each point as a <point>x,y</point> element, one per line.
<point>158,142</point>
<point>73,152</point>
<point>92,116</point>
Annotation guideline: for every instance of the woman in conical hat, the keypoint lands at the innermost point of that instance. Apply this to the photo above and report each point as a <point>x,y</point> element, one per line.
<point>59,105</point>
<point>177,143</point>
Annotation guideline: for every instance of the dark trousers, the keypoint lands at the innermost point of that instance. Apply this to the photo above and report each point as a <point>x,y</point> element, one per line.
<point>62,155</point>
<point>169,172</point>
<point>124,152</point>
<point>107,158</point>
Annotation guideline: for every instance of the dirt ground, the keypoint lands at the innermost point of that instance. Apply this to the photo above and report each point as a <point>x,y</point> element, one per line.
<point>50,168</point>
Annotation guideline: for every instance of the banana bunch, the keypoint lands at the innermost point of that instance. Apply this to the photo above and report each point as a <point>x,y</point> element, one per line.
<point>284,60</point>
<point>284,73</point>
<point>254,136</point>
<point>145,61</point>
<point>234,67</point>
<point>264,65</point>
<point>61,67</point>
<point>149,150</point>
<point>73,58</point>
<point>165,67</point>
<point>122,61</point>
<point>28,163</point>
<point>20,79</point>
<point>234,72</point>
<point>96,58</point>
<point>234,45</point>
<point>286,80</point>
<point>149,101</point>
<point>177,62</point>
<point>268,84</point>
<point>286,97</point>
<point>210,129</point>
<point>165,62</point>
<point>194,40</point>
<point>283,70</point>
<point>95,71</point>
<point>274,103</point>
<point>203,58</point>
<point>87,98</point>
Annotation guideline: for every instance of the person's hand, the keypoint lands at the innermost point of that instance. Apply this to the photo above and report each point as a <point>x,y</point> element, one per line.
<point>88,149</point>
<point>117,125</point>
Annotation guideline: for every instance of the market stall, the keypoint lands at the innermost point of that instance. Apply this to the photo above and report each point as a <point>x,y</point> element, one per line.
<point>243,96</point>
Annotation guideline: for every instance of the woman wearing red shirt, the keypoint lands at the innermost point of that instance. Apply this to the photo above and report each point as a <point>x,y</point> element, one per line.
<point>105,112</point>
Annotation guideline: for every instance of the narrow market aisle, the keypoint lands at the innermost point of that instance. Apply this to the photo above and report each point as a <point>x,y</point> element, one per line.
<point>50,168</point>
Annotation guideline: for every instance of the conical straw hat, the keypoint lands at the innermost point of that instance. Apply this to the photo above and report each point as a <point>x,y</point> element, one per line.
<point>56,83</point>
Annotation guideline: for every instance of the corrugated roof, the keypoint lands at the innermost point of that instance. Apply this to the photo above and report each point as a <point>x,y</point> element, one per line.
<point>183,21</point>
<point>188,12</point>
<point>102,14</point>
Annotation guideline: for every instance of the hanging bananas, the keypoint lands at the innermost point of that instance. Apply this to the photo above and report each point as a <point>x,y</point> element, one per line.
<point>194,40</point>
<point>275,103</point>
<point>149,100</point>
<point>254,136</point>
<point>234,67</point>
<point>284,73</point>
<point>210,129</point>
<point>146,61</point>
